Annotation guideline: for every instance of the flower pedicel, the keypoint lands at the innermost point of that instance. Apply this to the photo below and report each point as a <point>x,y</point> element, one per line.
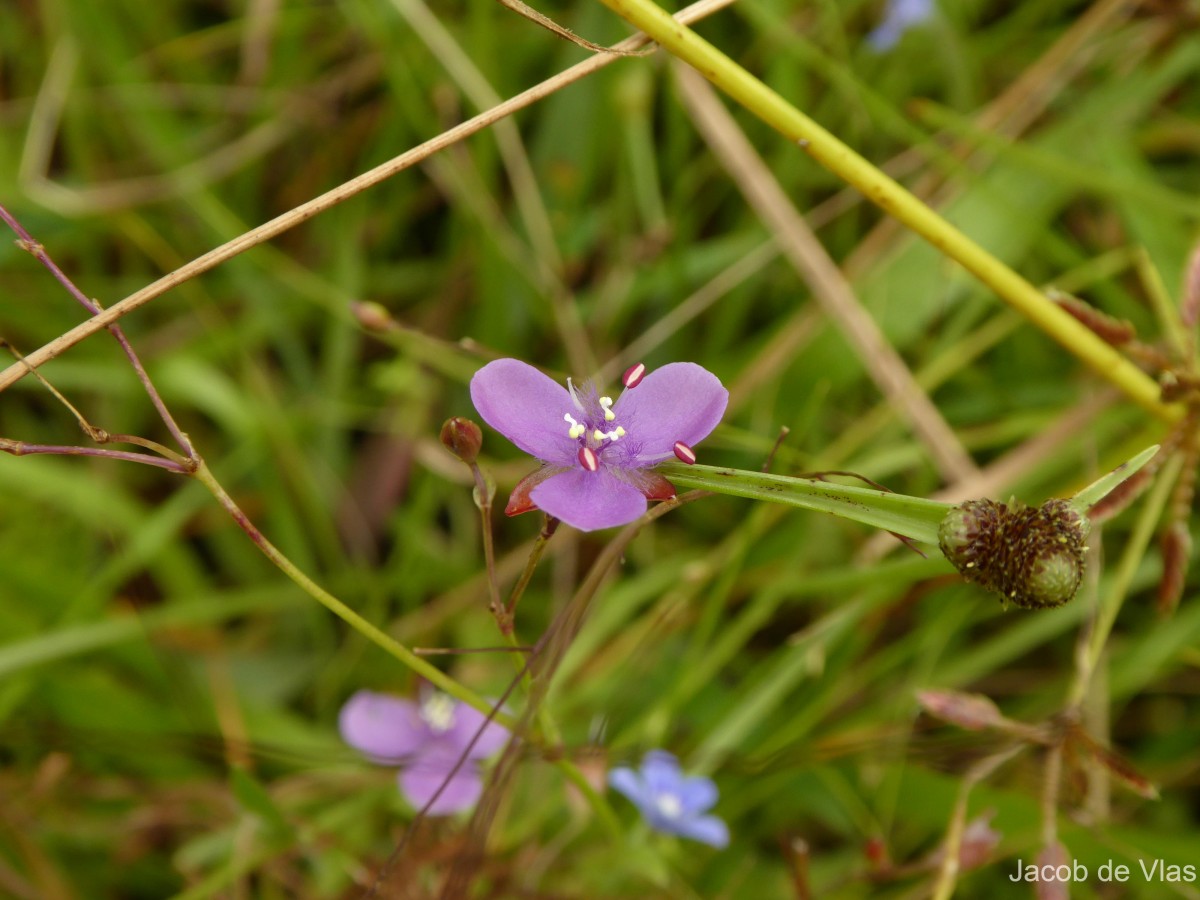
<point>597,454</point>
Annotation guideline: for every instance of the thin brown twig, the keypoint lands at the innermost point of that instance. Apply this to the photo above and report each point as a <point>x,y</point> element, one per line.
<point>541,665</point>
<point>524,9</point>
<point>483,500</point>
<point>23,448</point>
<point>329,199</point>
<point>34,247</point>
<point>784,431</point>
<point>549,526</point>
<point>464,651</point>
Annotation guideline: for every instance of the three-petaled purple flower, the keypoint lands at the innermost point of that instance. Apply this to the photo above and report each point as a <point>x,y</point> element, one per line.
<point>596,454</point>
<point>671,801</point>
<point>426,740</point>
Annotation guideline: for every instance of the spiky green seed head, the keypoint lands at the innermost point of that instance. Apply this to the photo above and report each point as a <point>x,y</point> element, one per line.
<point>1032,558</point>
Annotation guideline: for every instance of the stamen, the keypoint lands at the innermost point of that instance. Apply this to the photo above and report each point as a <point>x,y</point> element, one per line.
<point>574,396</point>
<point>588,459</point>
<point>606,402</point>
<point>633,375</point>
<point>615,435</point>
<point>576,430</point>
<point>685,453</point>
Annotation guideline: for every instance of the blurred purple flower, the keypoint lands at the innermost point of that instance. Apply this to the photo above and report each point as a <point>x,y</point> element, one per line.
<point>899,17</point>
<point>425,740</point>
<point>596,454</point>
<point>671,801</point>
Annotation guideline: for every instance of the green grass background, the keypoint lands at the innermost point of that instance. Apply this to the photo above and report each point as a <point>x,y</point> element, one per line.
<point>168,699</point>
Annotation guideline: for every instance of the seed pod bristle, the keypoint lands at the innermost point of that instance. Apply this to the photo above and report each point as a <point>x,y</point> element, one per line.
<point>1032,558</point>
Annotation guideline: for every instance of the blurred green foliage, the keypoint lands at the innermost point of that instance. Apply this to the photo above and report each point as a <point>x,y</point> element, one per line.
<point>168,699</point>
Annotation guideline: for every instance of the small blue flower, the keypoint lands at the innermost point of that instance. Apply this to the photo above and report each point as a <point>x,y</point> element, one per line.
<point>670,801</point>
<point>899,17</point>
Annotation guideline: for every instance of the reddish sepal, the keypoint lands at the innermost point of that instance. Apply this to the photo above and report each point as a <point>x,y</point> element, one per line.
<point>518,500</point>
<point>653,486</point>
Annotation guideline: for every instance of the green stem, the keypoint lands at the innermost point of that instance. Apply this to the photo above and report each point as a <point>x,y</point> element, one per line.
<point>913,517</point>
<point>388,644</point>
<point>852,168</point>
<point>1113,597</point>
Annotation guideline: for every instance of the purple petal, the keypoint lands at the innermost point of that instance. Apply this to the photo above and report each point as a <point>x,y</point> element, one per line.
<point>626,781</point>
<point>697,795</point>
<point>385,728</point>
<point>706,829</point>
<point>526,407</point>
<point>589,500</point>
<point>467,721</point>
<point>661,773</point>
<point>679,402</point>
<point>422,780</point>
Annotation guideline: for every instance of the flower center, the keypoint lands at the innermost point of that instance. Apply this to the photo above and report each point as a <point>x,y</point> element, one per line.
<point>438,712</point>
<point>668,806</point>
<point>595,414</point>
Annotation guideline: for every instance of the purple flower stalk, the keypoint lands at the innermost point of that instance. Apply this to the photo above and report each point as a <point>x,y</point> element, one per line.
<point>596,454</point>
<point>670,801</point>
<point>899,17</point>
<point>426,740</point>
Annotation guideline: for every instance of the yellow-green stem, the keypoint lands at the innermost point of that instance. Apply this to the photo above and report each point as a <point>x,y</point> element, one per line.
<point>838,158</point>
<point>1112,599</point>
<point>385,642</point>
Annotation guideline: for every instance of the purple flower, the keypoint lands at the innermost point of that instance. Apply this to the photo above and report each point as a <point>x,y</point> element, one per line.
<point>899,17</point>
<point>671,801</point>
<point>596,454</point>
<point>426,740</point>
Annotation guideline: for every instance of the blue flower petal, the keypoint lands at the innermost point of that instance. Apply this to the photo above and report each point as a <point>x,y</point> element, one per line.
<point>899,17</point>
<point>628,782</point>
<point>697,795</point>
<point>706,829</point>
<point>661,773</point>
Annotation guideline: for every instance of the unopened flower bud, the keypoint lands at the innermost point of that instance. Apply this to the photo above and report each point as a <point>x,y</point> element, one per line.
<point>463,438</point>
<point>371,315</point>
<point>1033,558</point>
